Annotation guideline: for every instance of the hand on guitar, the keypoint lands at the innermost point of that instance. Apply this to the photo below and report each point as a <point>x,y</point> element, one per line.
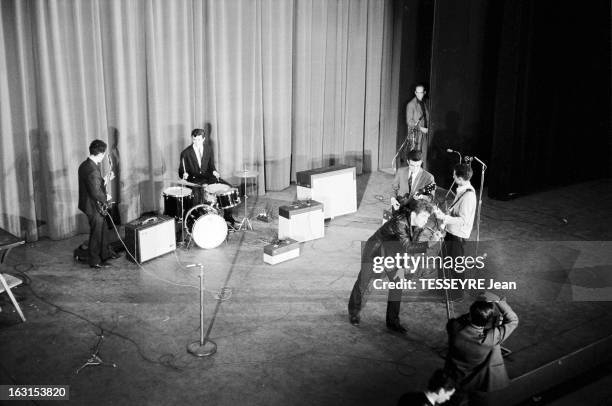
<point>440,215</point>
<point>395,204</point>
<point>109,176</point>
<point>423,130</point>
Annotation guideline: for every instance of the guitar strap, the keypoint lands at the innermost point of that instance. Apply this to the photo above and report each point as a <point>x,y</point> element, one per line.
<point>459,199</point>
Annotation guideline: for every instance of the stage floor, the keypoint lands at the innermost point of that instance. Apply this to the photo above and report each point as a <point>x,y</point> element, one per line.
<point>283,336</point>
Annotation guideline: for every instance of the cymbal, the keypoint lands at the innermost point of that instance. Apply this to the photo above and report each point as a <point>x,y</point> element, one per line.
<point>245,173</point>
<point>182,182</point>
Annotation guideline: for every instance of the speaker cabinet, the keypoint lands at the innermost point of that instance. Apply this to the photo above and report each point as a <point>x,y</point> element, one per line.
<point>150,238</point>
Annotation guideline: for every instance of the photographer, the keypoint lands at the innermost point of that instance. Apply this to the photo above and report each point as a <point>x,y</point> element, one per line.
<point>474,341</point>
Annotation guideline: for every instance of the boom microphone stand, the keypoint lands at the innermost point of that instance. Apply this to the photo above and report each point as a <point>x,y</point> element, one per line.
<point>393,163</point>
<point>479,207</point>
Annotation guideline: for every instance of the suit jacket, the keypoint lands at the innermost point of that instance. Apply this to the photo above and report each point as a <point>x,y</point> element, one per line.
<point>414,114</point>
<point>395,236</point>
<point>91,187</point>
<point>198,173</point>
<point>475,353</point>
<point>400,181</point>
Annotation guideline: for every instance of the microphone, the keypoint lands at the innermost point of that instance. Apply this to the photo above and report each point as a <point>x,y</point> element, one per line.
<point>479,161</point>
<point>193,265</point>
<point>453,151</point>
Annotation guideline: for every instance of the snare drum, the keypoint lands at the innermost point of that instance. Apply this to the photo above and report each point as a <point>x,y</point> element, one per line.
<point>205,226</point>
<point>173,198</point>
<point>227,196</point>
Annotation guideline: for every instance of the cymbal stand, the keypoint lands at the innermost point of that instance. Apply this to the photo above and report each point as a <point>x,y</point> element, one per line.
<point>182,221</point>
<point>245,224</point>
<point>94,359</point>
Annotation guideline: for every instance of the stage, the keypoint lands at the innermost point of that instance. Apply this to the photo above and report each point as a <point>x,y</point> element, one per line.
<point>283,334</point>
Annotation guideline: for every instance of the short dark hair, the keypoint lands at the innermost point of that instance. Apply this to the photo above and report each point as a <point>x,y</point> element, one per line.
<point>415,155</point>
<point>481,312</point>
<point>204,132</point>
<point>441,379</point>
<point>97,147</point>
<point>420,85</point>
<point>419,206</point>
<point>463,171</point>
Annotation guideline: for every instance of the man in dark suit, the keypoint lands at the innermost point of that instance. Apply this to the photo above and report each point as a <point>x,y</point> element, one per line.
<point>400,233</point>
<point>92,194</point>
<point>197,165</point>
<point>410,179</point>
<point>474,340</point>
<point>417,118</point>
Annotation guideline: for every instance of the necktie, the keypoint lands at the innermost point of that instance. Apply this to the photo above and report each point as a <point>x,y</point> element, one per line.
<point>410,183</point>
<point>424,112</point>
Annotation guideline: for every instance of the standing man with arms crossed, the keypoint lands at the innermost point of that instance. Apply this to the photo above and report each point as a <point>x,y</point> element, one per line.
<point>417,118</point>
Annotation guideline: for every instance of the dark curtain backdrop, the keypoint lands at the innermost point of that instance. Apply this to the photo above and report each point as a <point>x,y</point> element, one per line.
<point>286,85</point>
<point>463,77</point>
<point>552,110</point>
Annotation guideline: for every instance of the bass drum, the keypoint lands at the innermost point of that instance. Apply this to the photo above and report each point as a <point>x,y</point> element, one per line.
<point>205,226</point>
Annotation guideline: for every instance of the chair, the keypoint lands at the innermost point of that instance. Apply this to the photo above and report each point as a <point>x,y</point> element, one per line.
<point>7,282</point>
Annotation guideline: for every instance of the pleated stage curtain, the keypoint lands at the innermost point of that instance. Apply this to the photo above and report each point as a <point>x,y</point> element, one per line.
<point>286,85</point>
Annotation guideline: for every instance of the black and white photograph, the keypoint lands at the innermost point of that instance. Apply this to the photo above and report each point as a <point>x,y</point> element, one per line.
<point>306,202</point>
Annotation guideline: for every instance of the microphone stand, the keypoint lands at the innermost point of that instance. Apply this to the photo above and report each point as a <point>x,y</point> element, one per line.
<point>452,184</point>
<point>205,346</point>
<point>393,164</point>
<point>479,207</point>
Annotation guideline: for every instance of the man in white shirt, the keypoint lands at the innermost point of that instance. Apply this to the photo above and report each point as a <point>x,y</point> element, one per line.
<point>409,180</point>
<point>460,219</point>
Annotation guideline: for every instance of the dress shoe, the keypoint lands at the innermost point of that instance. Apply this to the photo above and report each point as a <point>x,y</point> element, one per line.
<point>114,255</point>
<point>100,265</point>
<point>396,327</point>
<point>354,320</point>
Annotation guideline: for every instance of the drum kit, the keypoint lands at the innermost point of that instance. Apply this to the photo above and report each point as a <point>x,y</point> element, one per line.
<point>199,210</point>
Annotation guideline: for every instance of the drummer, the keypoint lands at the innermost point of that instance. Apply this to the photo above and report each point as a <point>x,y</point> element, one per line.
<point>197,166</point>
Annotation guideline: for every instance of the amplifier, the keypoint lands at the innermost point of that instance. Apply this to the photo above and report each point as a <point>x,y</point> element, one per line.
<point>334,186</point>
<point>301,221</point>
<point>281,251</point>
<point>148,238</point>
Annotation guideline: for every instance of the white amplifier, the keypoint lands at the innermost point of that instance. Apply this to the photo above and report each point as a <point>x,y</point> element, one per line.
<point>149,238</point>
<point>301,221</point>
<point>334,186</point>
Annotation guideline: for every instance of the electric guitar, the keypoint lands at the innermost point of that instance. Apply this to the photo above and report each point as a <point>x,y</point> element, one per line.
<point>422,193</point>
<point>103,208</point>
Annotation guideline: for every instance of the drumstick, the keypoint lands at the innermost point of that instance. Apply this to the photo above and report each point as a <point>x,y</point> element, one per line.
<point>183,161</point>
